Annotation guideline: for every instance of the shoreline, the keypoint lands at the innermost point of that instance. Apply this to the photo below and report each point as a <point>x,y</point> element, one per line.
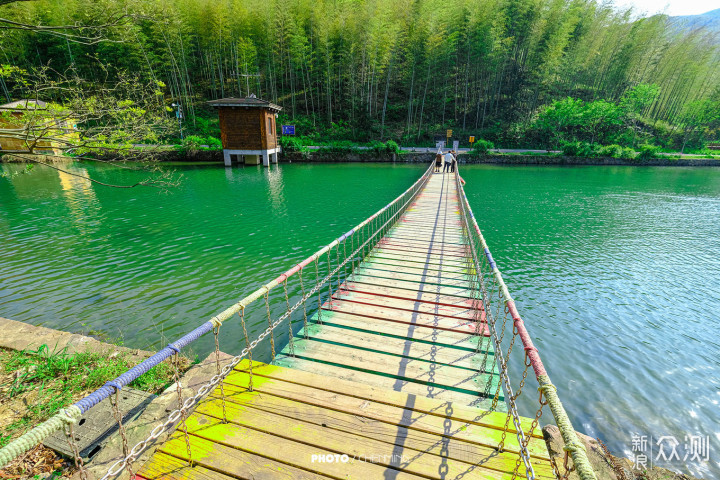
<point>216,156</point>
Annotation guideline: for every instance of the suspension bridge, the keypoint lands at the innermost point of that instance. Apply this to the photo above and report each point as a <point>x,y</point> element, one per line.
<point>392,363</point>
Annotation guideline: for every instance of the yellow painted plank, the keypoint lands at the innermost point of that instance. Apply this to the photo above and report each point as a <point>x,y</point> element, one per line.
<point>374,429</point>
<point>280,450</point>
<point>216,461</point>
<point>321,437</point>
<point>480,427</point>
<point>343,388</point>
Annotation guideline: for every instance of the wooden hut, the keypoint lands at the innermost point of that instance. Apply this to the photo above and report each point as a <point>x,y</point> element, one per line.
<point>248,130</point>
<point>33,126</point>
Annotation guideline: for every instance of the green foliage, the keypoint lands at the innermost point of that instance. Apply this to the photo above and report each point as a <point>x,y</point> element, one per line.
<point>291,144</point>
<point>482,147</point>
<point>343,147</point>
<point>391,146</point>
<point>522,73</point>
<point>615,151</point>
<point>581,149</point>
<point>638,98</point>
<point>194,143</point>
<point>647,152</point>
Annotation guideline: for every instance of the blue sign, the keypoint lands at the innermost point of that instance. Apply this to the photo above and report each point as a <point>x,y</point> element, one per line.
<point>288,129</point>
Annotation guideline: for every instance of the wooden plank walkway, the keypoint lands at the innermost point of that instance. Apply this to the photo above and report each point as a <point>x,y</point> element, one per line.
<point>405,320</point>
<point>388,374</point>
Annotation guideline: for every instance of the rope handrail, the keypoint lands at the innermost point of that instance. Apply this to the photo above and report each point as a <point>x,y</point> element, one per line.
<point>72,413</point>
<point>572,444</point>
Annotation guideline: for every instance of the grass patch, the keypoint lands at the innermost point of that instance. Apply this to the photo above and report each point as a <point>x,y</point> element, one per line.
<point>35,384</point>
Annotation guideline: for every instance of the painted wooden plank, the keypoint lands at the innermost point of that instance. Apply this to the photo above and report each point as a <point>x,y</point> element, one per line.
<point>218,461</point>
<point>420,294</point>
<point>412,286</point>
<point>419,333</point>
<point>458,312</point>
<point>428,414</point>
<point>422,259</point>
<point>420,243</point>
<point>386,382</point>
<point>416,267</point>
<point>404,235</point>
<point>426,249</point>
<point>435,277</point>
<point>164,467</point>
<point>435,320</point>
<point>278,449</point>
<point>428,228</point>
<point>406,369</point>
<point>376,429</point>
<point>405,347</point>
<point>380,453</point>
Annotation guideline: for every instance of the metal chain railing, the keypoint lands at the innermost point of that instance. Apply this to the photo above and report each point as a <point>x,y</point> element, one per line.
<point>491,283</point>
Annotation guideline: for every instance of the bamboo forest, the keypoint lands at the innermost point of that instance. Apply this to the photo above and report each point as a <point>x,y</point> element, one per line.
<point>520,73</point>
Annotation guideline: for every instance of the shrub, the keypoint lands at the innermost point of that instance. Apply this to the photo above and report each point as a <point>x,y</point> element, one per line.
<point>628,153</point>
<point>290,144</point>
<point>377,147</point>
<point>647,152</point>
<point>613,151</point>
<point>581,149</point>
<point>213,142</point>
<point>392,147</point>
<point>193,143</point>
<point>482,147</point>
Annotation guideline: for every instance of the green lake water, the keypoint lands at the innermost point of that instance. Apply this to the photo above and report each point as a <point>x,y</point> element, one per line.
<point>616,270</point>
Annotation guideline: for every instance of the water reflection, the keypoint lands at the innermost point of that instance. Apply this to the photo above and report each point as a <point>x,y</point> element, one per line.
<point>80,198</point>
<point>276,188</point>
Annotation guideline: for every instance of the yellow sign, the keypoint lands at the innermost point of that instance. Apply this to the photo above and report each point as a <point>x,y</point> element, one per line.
<point>449,133</point>
<point>472,139</point>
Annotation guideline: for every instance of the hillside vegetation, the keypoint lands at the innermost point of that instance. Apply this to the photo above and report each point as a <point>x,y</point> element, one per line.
<point>520,73</point>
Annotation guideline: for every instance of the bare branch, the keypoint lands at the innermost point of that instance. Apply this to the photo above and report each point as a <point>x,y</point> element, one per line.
<point>164,181</point>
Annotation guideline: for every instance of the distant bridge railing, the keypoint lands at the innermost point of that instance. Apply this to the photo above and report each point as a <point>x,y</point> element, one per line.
<point>494,298</point>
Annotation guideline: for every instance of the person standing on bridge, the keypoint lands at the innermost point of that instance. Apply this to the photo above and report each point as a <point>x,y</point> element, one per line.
<point>448,161</point>
<point>454,161</point>
<point>438,160</point>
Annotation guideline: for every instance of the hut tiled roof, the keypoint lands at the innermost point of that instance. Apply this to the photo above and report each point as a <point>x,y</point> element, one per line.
<point>251,101</point>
